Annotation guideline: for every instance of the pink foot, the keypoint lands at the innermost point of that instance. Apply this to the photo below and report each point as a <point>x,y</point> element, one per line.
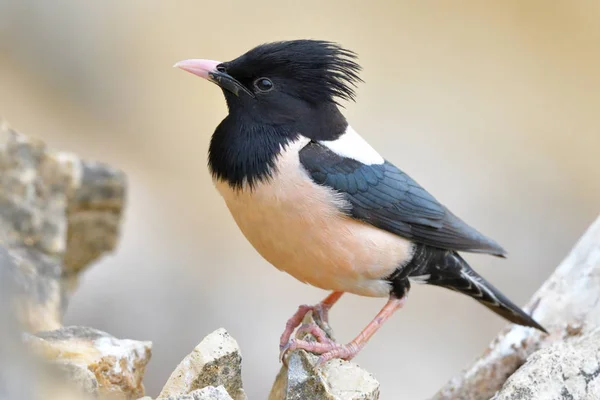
<point>328,349</point>
<point>315,330</point>
<point>345,352</point>
<point>292,324</point>
<point>320,314</point>
<point>312,329</point>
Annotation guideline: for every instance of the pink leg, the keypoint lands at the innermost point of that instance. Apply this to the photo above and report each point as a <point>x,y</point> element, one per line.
<point>329,351</point>
<point>322,309</point>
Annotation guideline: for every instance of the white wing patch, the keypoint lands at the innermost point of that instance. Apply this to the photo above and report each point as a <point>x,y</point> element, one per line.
<point>421,279</point>
<point>352,145</point>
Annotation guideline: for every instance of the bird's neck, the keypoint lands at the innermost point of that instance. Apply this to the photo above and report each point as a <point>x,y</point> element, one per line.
<point>243,151</point>
<point>244,154</point>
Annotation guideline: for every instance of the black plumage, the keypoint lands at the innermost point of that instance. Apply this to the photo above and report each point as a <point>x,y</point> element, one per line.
<point>316,70</point>
<point>447,269</point>
<point>389,199</point>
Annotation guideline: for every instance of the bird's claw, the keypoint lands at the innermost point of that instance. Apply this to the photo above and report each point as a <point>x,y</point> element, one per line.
<point>320,315</point>
<point>327,350</point>
<point>282,352</point>
<point>344,351</point>
<point>316,330</point>
<point>293,323</point>
<point>313,329</point>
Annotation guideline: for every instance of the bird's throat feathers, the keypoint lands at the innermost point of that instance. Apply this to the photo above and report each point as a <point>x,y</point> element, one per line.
<point>244,147</point>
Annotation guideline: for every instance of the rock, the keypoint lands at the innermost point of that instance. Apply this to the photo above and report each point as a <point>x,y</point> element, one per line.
<point>216,361</point>
<point>16,369</point>
<point>23,377</point>
<point>117,365</point>
<point>336,380</point>
<point>567,370</point>
<point>207,393</point>
<point>58,213</point>
<point>567,305</point>
<point>77,375</point>
<point>211,393</point>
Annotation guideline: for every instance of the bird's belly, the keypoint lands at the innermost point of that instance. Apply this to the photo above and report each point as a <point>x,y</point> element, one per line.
<point>298,227</point>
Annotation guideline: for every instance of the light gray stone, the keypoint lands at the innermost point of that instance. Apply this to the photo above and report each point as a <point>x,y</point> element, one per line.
<point>23,377</point>
<point>567,370</point>
<point>206,393</point>
<point>216,361</point>
<point>75,374</point>
<point>58,214</point>
<point>567,305</point>
<point>16,368</point>
<point>117,365</point>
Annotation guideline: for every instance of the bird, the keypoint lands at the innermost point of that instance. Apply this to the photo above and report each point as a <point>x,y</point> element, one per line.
<point>319,203</point>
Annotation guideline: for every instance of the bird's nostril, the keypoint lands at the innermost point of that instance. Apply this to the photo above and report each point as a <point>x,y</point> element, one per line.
<point>221,68</point>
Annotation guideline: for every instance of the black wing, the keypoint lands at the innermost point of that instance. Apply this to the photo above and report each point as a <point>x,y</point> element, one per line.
<point>387,198</point>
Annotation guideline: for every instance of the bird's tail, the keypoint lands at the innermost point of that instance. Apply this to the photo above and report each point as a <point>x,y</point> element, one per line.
<point>452,272</point>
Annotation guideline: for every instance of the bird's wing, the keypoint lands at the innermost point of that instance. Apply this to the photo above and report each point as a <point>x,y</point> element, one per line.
<point>385,197</point>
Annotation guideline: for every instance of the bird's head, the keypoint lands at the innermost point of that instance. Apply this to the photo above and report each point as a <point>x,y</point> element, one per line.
<point>283,82</point>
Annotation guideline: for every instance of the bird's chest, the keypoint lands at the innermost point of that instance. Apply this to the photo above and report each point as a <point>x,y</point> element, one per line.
<point>300,227</point>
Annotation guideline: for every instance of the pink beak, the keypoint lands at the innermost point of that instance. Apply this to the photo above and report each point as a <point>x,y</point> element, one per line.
<point>207,69</point>
<point>198,67</point>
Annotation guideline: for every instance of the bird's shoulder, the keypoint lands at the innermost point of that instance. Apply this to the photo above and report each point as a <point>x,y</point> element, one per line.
<point>384,196</point>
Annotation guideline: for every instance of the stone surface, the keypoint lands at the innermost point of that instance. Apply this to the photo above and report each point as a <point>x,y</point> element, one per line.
<point>567,305</point>
<point>336,380</point>
<point>16,369</point>
<point>117,365</point>
<point>75,374</point>
<point>58,214</point>
<point>23,377</point>
<point>206,393</point>
<point>216,361</point>
<point>566,370</point>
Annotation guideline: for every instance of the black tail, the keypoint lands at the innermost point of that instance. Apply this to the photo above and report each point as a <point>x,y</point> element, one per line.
<point>448,269</point>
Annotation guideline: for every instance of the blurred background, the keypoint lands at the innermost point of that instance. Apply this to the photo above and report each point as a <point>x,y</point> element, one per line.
<point>494,107</point>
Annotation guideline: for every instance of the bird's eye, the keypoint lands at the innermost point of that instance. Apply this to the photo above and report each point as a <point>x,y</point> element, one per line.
<point>263,84</point>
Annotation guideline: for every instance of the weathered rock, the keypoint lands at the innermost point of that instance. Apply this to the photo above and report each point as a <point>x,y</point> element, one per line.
<point>117,365</point>
<point>565,370</point>
<point>336,380</point>
<point>76,375</point>
<point>22,377</point>
<point>16,369</point>
<point>57,215</point>
<point>216,361</point>
<point>207,393</point>
<point>567,305</point>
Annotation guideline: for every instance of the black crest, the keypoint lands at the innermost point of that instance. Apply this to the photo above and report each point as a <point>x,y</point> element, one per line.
<point>320,70</point>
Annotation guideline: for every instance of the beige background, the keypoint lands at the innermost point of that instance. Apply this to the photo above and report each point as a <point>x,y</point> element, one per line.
<point>493,106</point>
